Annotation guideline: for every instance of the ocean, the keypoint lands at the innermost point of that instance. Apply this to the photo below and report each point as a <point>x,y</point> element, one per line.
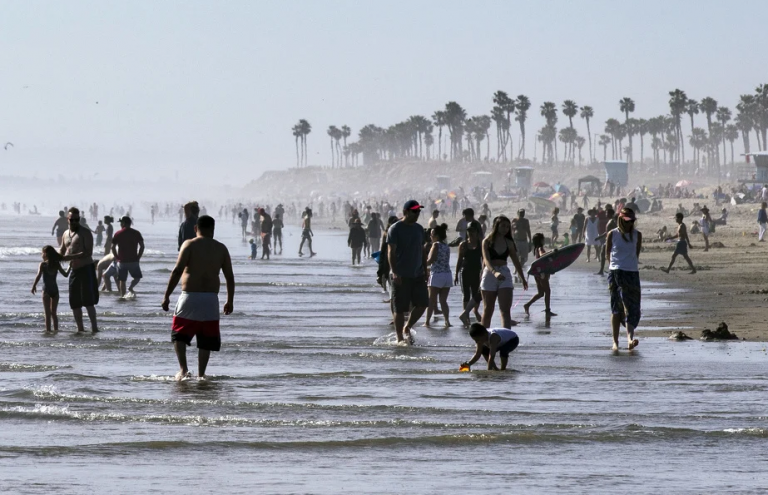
<point>309,395</point>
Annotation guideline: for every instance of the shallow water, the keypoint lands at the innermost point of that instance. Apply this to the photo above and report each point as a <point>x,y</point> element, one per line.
<point>301,400</point>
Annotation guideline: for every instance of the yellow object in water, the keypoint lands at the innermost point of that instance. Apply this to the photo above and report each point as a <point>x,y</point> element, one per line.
<point>464,367</point>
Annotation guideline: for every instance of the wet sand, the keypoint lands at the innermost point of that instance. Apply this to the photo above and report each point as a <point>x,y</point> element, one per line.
<point>730,285</point>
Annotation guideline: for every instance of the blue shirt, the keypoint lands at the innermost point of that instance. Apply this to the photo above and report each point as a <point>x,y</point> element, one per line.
<point>409,251</point>
<point>762,216</point>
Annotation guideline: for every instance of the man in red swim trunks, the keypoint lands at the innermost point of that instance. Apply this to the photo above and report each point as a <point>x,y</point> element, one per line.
<point>197,310</point>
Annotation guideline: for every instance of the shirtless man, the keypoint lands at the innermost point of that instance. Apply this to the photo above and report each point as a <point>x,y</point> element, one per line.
<point>522,236</point>
<point>683,243</point>
<point>306,232</point>
<point>77,248</point>
<point>197,309</point>
<point>59,227</point>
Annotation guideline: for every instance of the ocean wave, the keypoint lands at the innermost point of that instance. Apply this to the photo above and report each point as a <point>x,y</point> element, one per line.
<point>8,252</point>
<point>29,367</point>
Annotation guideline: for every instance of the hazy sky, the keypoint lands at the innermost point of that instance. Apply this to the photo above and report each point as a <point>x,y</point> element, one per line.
<point>211,89</point>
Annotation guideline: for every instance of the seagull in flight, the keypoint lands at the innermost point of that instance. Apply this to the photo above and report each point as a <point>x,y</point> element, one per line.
<point>8,144</point>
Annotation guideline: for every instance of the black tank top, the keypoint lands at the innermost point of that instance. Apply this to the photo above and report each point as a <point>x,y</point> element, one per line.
<point>473,259</point>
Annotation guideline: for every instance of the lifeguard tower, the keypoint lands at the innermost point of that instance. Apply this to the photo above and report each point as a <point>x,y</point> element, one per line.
<point>616,171</point>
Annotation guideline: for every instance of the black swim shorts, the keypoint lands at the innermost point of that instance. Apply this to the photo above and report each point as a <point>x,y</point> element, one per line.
<point>83,287</point>
<point>409,292</point>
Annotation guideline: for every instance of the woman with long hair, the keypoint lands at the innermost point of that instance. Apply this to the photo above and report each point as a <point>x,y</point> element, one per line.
<point>496,282</point>
<point>469,266</point>
<point>439,259</point>
<point>623,246</point>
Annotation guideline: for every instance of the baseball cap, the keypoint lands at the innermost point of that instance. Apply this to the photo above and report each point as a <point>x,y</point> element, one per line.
<point>627,214</point>
<point>126,219</point>
<point>412,204</point>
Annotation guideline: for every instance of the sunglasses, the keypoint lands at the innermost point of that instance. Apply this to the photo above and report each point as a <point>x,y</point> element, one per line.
<point>75,220</point>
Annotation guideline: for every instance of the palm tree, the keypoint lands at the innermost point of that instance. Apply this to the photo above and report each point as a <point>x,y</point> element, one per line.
<point>303,128</point>
<point>502,129</point>
<point>692,108</point>
<point>723,116</point>
<point>678,102</point>
<point>604,141</point>
<point>507,105</point>
<point>306,128</point>
<point>709,107</point>
<point>455,117</point>
<point>549,132</point>
<point>587,113</point>
<point>731,134</point>
<point>482,125</point>
<point>627,106</point>
<point>698,140</point>
<point>439,120</point>
<point>429,140</point>
<point>655,128</point>
<point>345,133</point>
<point>612,129</point>
<point>641,128</point>
<point>296,134</point>
<point>332,131</point>
<point>580,144</point>
<point>570,109</point>
<point>522,104</point>
<point>761,111</point>
<point>745,119</point>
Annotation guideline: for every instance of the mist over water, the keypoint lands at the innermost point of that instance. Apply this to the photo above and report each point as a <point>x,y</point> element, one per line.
<point>306,395</point>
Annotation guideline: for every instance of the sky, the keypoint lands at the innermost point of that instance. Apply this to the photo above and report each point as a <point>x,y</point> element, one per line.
<point>208,91</point>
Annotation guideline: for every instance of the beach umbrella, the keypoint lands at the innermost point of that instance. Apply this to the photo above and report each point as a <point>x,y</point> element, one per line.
<point>561,189</point>
<point>541,184</point>
<point>683,183</point>
<point>452,195</point>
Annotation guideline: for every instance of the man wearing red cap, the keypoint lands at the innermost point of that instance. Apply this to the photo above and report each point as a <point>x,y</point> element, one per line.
<point>407,261</point>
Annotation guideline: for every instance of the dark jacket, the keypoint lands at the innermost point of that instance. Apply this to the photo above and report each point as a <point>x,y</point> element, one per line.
<point>187,230</point>
<point>357,237</point>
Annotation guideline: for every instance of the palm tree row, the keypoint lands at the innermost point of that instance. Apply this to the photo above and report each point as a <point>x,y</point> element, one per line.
<point>414,137</point>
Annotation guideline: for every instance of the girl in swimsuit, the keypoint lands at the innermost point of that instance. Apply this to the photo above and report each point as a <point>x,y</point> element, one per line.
<point>555,223</point>
<point>49,268</point>
<point>542,280</point>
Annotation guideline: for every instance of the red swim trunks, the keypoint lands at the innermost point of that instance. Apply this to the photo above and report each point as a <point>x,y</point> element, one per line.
<point>197,315</point>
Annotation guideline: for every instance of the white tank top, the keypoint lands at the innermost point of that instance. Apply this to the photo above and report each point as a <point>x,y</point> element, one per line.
<point>624,253</point>
<point>504,334</point>
<point>591,229</point>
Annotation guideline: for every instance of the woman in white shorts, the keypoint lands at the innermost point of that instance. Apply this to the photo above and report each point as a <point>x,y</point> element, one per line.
<point>440,276</point>
<point>496,282</point>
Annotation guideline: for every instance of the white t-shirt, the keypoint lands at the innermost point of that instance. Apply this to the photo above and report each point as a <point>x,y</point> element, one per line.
<point>504,334</point>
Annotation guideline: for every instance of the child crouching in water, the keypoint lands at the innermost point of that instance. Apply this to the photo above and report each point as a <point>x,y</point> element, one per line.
<point>542,279</point>
<point>48,270</point>
<point>499,340</point>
